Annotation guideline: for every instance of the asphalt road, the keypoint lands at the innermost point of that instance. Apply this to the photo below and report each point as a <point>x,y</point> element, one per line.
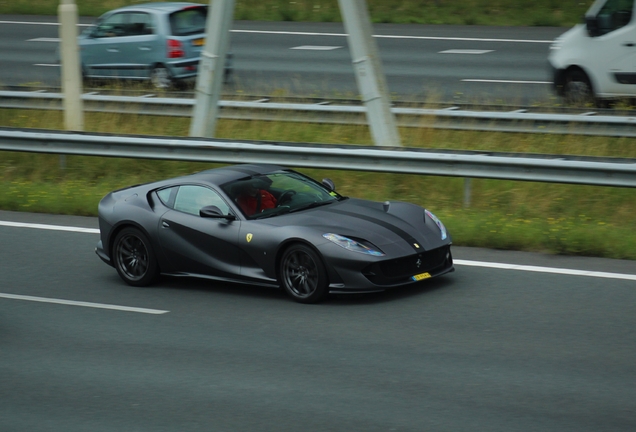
<point>482,349</point>
<point>448,63</point>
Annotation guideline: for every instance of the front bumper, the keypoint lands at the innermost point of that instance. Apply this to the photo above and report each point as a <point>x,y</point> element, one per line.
<point>101,253</point>
<point>388,274</point>
<point>558,78</point>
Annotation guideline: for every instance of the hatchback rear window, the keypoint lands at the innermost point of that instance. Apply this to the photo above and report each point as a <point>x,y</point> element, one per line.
<point>188,21</point>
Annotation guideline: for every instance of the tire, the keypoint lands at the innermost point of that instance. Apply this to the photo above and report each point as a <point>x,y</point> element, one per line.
<point>160,77</point>
<point>302,274</point>
<point>577,89</point>
<point>134,258</point>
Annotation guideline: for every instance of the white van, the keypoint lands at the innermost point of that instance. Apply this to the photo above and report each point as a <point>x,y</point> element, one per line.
<point>596,60</point>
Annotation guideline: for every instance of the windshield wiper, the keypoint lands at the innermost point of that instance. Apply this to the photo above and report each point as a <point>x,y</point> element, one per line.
<point>310,206</point>
<point>274,212</point>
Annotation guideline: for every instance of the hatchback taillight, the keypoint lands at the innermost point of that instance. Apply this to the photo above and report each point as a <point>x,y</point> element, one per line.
<point>175,49</point>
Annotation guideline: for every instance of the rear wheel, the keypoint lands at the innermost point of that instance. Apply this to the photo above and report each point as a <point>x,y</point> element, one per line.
<point>160,77</point>
<point>577,89</point>
<point>134,258</point>
<point>303,275</point>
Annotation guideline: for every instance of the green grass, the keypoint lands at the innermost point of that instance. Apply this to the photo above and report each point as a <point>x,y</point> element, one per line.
<point>563,219</point>
<point>464,12</point>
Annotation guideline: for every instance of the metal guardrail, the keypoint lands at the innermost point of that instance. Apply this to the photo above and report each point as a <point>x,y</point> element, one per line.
<point>503,166</point>
<point>449,118</point>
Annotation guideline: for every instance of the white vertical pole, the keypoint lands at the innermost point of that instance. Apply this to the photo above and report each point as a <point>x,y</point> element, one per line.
<point>369,74</point>
<point>212,68</point>
<point>70,65</point>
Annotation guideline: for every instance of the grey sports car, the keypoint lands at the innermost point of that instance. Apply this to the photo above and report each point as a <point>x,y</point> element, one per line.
<point>271,226</point>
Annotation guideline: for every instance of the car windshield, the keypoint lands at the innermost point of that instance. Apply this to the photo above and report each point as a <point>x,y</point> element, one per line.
<point>188,21</point>
<point>278,193</point>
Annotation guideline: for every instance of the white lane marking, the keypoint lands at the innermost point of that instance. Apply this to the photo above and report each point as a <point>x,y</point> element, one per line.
<point>444,38</point>
<point>83,304</point>
<point>552,270</point>
<point>47,65</point>
<point>506,81</point>
<point>44,40</point>
<point>456,261</point>
<point>49,227</point>
<point>342,34</point>
<point>465,51</point>
<point>316,47</point>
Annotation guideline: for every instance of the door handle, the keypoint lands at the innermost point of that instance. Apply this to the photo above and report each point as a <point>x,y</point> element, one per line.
<point>112,50</point>
<point>629,44</point>
<point>165,224</point>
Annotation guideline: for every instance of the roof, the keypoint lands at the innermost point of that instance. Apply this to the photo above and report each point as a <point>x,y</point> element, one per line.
<point>226,174</point>
<point>161,6</point>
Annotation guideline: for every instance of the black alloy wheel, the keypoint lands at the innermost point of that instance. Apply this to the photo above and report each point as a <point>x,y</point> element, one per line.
<point>134,258</point>
<point>303,275</point>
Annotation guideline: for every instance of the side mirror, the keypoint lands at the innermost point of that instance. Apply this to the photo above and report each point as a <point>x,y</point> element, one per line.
<point>213,212</point>
<point>329,184</point>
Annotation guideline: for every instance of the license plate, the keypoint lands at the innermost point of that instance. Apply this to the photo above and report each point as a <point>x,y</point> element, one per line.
<point>198,42</point>
<point>421,276</point>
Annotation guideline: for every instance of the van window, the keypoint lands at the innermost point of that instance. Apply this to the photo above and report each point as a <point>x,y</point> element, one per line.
<point>613,15</point>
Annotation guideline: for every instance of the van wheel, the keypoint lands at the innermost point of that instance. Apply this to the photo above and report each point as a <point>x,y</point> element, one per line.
<point>160,77</point>
<point>577,90</point>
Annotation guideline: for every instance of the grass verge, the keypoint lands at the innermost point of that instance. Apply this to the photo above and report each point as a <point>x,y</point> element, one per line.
<point>562,219</point>
<point>465,12</point>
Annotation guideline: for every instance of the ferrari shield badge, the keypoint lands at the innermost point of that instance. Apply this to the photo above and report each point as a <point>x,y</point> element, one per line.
<point>248,237</point>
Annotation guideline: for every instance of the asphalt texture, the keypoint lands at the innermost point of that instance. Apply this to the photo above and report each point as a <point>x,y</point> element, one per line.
<point>477,350</point>
<point>460,64</point>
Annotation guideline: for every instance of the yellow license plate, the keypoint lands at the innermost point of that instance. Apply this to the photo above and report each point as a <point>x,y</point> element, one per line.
<point>421,276</point>
<point>198,42</point>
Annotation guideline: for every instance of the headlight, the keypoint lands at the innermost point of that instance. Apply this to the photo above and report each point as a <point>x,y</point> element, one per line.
<point>353,245</point>
<point>438,222</point>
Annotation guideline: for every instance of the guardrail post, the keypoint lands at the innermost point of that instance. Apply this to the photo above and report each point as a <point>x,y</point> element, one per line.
<point>468,191</point>
<point>369,74</point>
<point>212,68</point>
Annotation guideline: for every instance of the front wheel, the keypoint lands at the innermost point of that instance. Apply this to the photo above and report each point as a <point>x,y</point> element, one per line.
<point>302,274</point>
<point>577,89</point>
<point>134,258</point>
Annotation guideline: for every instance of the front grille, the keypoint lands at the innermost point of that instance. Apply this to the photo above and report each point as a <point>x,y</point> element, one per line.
<point>402,269</point>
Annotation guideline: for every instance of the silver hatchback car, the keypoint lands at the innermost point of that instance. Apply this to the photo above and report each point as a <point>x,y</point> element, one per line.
<point>160,42</point>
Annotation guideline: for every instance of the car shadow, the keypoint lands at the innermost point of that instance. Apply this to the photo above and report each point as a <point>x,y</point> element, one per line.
<point>254,291</point>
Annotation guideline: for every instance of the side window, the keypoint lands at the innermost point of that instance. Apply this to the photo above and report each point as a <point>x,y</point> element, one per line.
<point>140,24</point>
<point>191,199</point>
<point>613,15</point>
<point>112,26</point>
<point>167,196</point>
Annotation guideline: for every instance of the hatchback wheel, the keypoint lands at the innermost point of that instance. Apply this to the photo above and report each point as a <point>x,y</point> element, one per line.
<point>134,258</point>
<point>303,275</point>
<point>160,77</point>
